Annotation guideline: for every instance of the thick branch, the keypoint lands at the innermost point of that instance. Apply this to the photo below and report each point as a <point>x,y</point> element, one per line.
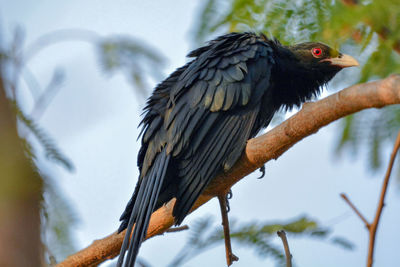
<point>271,145</point>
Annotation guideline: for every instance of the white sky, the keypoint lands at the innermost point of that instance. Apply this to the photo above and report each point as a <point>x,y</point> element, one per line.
<point>94,119</point>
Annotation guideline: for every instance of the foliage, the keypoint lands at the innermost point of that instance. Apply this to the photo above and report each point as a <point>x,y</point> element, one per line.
<point>56,215</point>
<point>258,236</point>
<point>58,220</point>
<point>12,65</point>
<point>115,54</point>
<point>371,127</point>
<point>367,28</point>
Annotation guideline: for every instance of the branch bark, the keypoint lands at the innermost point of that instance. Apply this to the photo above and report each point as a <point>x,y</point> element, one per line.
<point>260,150</point>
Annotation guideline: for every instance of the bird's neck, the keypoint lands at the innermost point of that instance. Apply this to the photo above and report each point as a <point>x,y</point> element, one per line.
<point>293,83</point>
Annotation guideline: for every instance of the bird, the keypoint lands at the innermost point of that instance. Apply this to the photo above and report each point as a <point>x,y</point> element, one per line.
<point>197,121</point>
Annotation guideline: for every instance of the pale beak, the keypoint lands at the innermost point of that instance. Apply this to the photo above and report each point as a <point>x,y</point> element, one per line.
<point>343,61</point>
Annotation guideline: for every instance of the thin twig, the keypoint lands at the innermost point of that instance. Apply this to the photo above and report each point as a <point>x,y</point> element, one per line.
<point>43,101</point>
<point>367,224</point>
<point>288,255</point>
<point>373,227</point>
<point>177,229</point>
<point>230,257</point>
<point>375,223</point>
<point>57,36</point>
<point>31,82</point>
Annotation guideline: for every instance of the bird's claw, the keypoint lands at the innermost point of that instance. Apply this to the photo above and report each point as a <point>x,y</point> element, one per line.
<point>262,170</point>
<point>227,197</point>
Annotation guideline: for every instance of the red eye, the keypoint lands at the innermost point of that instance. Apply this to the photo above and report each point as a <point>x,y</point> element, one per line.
<point>317,52</point>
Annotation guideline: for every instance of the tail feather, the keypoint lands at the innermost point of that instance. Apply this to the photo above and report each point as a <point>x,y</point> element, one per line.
<point>145,198</point>
<point>125,217</point>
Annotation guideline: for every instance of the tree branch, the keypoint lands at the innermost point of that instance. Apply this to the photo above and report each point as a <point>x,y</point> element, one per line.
<point>177,229</point>
<point>381,204</point>
<point>373,227</point>
<point>354,208</point>
<point>260,150</point>
<point>288,255</point>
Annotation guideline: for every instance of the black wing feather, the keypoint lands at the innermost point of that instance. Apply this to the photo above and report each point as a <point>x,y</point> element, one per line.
<point>208,159</point>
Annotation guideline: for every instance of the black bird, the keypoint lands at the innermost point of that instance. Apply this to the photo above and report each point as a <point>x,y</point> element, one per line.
<point>198,120</point>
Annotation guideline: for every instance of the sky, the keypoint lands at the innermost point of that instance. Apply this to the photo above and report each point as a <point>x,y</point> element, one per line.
<point>94,120</point>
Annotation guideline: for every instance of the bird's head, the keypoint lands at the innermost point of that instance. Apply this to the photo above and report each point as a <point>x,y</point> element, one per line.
<point>318,56</point>
<point>303,69</point>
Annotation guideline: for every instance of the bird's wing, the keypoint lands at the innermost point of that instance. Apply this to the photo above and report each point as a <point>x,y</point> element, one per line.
<point>212,110</point>
<point>197,123</point>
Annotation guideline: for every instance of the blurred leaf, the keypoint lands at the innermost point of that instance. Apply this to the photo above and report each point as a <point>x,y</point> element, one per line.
<point>260,237</point>
<point>373,130</point>
<point>138,60</point>
<point>344,243</point>
<point>198,241</point>
<point>58,220</point>
<point>51,150</point>
<point>207,16</point>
